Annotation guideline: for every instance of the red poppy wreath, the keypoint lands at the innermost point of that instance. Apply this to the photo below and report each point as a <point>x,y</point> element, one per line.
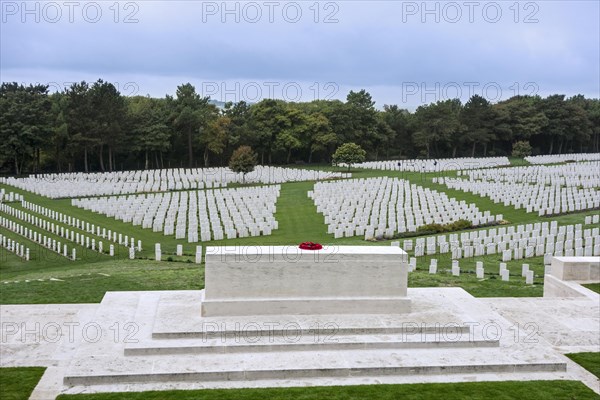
<point>310,246</point>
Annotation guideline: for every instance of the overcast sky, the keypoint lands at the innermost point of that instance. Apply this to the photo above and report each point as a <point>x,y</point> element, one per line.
<point>402,52</point>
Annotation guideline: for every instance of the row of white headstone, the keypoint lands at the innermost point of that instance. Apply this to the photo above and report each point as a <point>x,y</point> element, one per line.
<point>66,233</point>
<point>522,241</point>
<point>479,270</point>
<point>544,200</point>
<point>197,215</point>
<point>115,183</point>
<point>45,241</point>
<point>179,252</point>
<point>15,247</point>
<point>107,183</point>
<point>104,233</point>
<point>9,197</point>
<point>582,174</point>
<point>380,207</point>
<point>435,164</point>
<point>556,158</point>
<point>592,219</point>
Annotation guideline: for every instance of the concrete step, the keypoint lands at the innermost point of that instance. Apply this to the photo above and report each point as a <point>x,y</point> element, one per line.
<point>296,330</point>
<point>298,365</point>
<point>305,343</point>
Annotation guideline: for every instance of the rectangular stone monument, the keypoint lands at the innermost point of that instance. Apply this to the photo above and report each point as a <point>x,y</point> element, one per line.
<point>271,280</point>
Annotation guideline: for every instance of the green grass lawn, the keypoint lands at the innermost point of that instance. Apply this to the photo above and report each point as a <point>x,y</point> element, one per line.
<point>18,383</point>
<point>55,279</point>
<point>589,361</point>
<point>593,286</point>
<point>532,390</point>
<point>82,283</point>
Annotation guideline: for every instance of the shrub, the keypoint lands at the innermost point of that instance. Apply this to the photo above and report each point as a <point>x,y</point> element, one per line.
<point>459,225</point>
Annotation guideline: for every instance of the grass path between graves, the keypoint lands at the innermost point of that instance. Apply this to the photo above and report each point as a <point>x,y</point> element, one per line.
<point>532,390</point>
<point>54,279</point>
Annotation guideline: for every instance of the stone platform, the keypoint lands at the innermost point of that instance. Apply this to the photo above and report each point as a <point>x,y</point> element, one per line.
<point>135,341</point>
<point>448,336</point>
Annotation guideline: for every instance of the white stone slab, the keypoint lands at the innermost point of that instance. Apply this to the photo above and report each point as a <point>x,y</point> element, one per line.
<point>266,280</point>
<point>576,268</point>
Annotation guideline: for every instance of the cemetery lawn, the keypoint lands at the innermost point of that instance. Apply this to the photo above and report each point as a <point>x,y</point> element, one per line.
<point>18,383</point>
<point>534,390</point>
<point>54,279</point>
<point>82,283</point>
<point>593,286</point>
<point>589,361</point>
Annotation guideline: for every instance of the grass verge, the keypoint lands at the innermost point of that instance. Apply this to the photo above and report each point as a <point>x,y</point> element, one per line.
<point>18,383</point>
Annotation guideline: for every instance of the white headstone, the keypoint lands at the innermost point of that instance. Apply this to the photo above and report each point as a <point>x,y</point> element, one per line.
<point>433,266</point>
<point>480,272</point>
<point>529,278</point>
<point>198,254</point>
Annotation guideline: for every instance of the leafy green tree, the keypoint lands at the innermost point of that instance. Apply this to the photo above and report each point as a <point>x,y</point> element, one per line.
<point>268,119</point>
<point>290,138</point>
<point>60,137</point>
<point>521,149</point>
<point>320,136</point>
<point>382,138</point>
<point>215,136</point>
<point>438,123</point>
<point>399,121</point>
<point>148,118</point>
<point>362,117</point>
<point>191,113</point>
<point>519,118</point>
<point>477,117</point>
<point>593,114</point>
<point>243,160</point>
<point>568,122</point>
<point>349,153</point>
<point>80,121</point>
<point>25,124</point>
<point>108,119</point>
<point>239,115</point>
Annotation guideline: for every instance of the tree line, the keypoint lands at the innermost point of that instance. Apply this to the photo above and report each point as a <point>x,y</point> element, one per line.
<point>92,127</point>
